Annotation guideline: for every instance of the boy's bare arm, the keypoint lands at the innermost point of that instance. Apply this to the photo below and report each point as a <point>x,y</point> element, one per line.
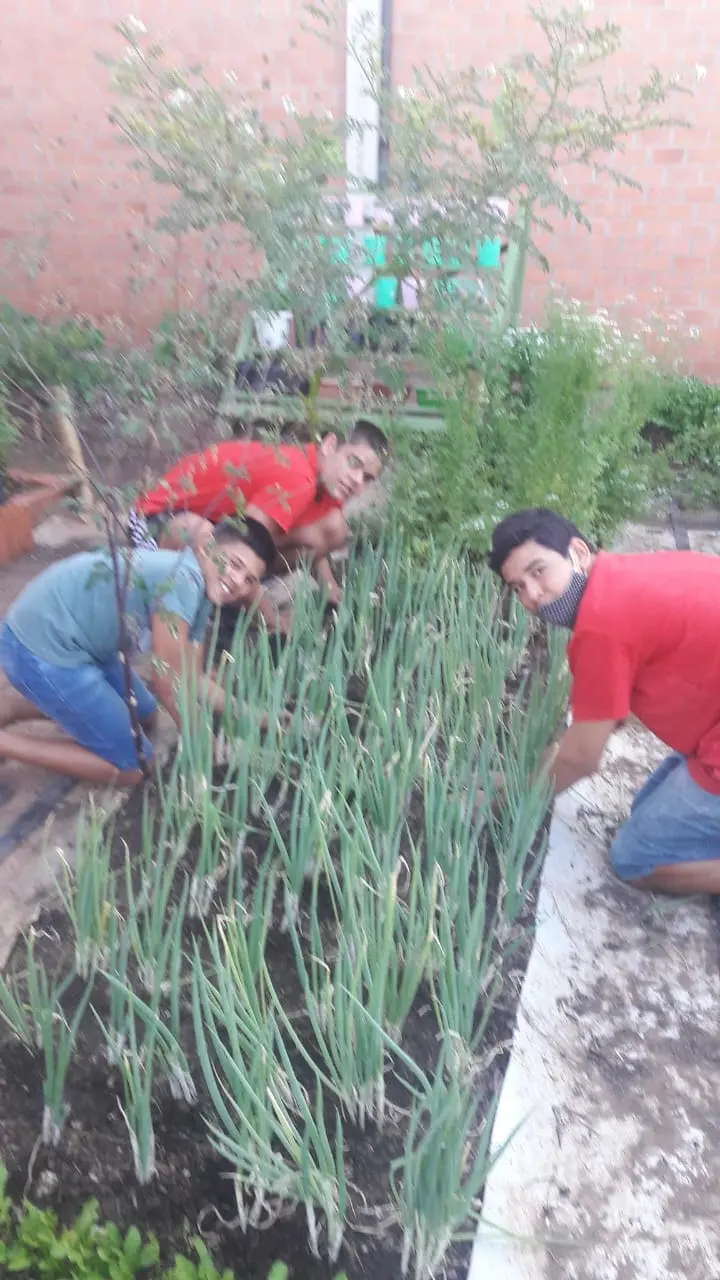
<point>577,754</point>
<point>177,661</point>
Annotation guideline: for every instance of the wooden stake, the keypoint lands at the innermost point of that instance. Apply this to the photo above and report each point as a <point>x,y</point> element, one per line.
<point>70,444</point>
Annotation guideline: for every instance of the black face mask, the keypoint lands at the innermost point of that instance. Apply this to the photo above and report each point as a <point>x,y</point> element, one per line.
<point>563,611</point>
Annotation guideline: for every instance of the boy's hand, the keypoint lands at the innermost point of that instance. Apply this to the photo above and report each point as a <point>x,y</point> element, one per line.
<point>284,721</point>
<point>498,788</point>
<point>224,748</point>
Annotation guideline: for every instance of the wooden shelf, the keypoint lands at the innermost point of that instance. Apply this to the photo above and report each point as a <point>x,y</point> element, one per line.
<point>330,408</point>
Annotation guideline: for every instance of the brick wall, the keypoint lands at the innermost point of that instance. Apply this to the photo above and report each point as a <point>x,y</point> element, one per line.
<point>74,219</point>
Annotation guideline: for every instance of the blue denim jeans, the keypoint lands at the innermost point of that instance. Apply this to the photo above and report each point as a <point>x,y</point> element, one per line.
<point>672,821</point>
<point>88,702</point>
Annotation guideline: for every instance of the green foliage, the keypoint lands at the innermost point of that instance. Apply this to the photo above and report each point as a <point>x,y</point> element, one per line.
<point>684,425</point>
<point>195,348</point>
<point>203,1269</point>
<point>456,142</point>
<point>37,355</point>
<point>442,1133</point>
<point>690,410</point>
<point>554,420</point>
<point>37,1017</point>
<point>9,433</point>
<point>372,839</point>
<point>34,1244</point>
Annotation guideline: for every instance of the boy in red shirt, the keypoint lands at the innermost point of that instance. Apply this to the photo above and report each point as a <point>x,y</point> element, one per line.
<point>645,640</point>
<point>296,492</point>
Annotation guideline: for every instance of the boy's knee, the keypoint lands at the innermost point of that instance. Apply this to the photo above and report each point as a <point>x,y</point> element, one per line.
<point>335,530</point>
<point>631,857</point>
<point>128,761</point>
<point>622,859</point>
<point>128,777</point>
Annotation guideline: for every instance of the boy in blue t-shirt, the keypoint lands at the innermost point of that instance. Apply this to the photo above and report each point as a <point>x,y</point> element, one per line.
<point>63,651</point>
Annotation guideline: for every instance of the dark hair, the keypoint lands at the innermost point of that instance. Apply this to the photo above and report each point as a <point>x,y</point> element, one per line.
<point>536,524</point>
<point>251,532</point>
<point>366,432</point>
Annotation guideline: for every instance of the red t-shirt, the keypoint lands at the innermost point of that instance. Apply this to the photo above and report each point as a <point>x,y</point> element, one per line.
<point>647,641</point>
<point>282,480</point>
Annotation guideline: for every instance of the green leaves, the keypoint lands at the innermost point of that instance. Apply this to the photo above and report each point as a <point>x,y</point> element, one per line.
<point>34,1244</point>
<point>87,892</point>
<point>438,1180</point>
<point>203,1269</point>
<point>37,356</point>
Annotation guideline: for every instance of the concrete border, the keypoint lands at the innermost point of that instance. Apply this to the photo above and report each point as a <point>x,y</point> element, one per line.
<point>614,1071</point>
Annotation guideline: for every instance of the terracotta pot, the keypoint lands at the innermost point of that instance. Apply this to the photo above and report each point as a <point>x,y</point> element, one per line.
<point>330,389</point>
<point>19,515</point>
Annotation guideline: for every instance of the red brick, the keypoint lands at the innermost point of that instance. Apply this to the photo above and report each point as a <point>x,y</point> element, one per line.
<point>668,155</point>
<point>701,195</point>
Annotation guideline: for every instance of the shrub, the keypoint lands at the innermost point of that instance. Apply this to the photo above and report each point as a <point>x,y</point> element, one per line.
<point>36,355</point>
<point>549,417</point>
<point>689,410</point>
<point>33,1243</point>
<point>275,188</point>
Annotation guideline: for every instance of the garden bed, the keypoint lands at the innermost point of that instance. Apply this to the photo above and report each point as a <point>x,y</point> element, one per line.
<point>94,1159</point>
<point>306,866</point>
<point>28,497</point>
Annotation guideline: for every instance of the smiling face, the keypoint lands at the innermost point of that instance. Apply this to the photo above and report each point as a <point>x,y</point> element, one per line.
<point>538,575</point>
<point>232,571</point>
<point>345,469</point>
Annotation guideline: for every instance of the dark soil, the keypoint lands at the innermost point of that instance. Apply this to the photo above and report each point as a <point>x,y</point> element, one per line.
<point>193,1188</point>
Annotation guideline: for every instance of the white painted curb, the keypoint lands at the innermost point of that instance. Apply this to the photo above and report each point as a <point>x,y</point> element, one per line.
<point>517,1188</point>
<point>614,1072</point>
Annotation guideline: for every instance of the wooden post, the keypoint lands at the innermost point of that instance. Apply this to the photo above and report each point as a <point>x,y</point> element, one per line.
<point>70,444</point>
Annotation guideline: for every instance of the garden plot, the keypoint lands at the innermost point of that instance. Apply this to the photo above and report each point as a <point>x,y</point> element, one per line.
<point>276,1007</point>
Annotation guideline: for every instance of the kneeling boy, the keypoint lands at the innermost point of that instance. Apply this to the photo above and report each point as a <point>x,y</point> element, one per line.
<point>61,647</point>
<point>296,492</point>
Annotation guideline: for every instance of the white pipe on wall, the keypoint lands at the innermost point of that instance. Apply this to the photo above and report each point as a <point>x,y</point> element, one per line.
<point>362,65</point>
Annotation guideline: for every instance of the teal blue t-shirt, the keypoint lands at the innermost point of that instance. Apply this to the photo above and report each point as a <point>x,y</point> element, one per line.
<point>69,614</point>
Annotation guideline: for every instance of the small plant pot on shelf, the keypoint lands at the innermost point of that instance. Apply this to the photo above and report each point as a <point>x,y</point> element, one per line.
<point>25,497</point>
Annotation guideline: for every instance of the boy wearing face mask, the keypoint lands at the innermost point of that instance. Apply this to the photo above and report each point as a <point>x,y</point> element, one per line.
<point>643,640</point>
